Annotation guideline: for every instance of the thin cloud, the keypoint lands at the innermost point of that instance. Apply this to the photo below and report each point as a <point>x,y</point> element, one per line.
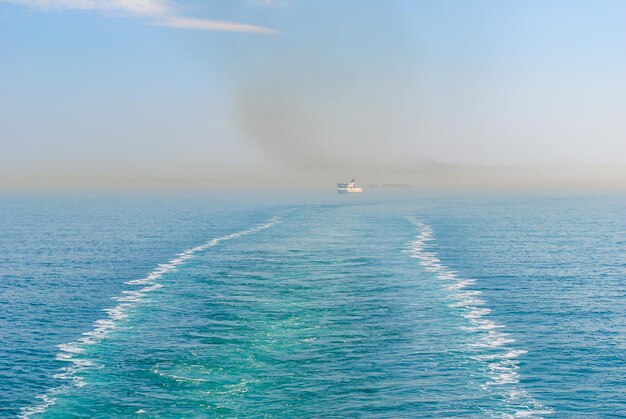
<point>213,25</point>
<point>268,3</point>
<point>161,10</point>
<point>139,7</point>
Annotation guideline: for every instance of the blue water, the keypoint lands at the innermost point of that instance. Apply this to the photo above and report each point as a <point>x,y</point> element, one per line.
<point>378,305</point>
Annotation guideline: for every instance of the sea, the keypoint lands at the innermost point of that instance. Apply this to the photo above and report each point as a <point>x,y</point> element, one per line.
<point>386,304</point>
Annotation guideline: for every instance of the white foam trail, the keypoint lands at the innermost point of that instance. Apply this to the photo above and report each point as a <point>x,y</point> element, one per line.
<point>490,346</point>
<point>71,352</point>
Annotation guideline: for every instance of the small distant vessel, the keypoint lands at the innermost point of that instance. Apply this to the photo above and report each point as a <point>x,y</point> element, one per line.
<point>389,185</point>
<point>348,187</point>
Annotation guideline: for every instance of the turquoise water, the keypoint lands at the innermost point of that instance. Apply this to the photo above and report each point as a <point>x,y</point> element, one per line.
<point>378,305</point>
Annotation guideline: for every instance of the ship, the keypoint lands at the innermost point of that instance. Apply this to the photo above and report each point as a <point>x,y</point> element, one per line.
<point>389,185</point>
<point>348,187</point>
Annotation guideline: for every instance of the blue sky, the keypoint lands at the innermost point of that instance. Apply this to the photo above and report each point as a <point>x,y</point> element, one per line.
<point>157,89</point>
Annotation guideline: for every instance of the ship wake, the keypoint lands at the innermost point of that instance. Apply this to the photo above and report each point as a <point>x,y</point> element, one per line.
<point>489,344</point>
<point>73,353</point>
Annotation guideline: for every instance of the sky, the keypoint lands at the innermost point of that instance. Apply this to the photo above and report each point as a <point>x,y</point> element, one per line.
<point>308,92</point>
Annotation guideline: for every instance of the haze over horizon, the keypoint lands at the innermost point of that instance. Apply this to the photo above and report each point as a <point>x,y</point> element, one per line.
<point>272,93</point>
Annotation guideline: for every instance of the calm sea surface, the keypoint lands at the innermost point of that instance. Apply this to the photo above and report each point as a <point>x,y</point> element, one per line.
<point>375,305</point>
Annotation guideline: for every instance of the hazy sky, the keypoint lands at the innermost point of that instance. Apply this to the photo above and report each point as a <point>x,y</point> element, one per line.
<point>219,91</point>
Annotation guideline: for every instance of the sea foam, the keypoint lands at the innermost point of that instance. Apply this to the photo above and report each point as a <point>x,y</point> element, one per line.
<point>73,352</point>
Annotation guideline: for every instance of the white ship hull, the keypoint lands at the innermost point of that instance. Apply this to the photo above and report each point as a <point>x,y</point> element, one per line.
<point>349,190</point>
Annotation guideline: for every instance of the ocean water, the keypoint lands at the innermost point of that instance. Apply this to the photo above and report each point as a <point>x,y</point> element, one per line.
<point>268,305</point>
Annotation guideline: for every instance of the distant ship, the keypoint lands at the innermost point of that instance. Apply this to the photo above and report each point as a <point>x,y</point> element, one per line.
<point>348,187</point>
<point>389,185</point>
